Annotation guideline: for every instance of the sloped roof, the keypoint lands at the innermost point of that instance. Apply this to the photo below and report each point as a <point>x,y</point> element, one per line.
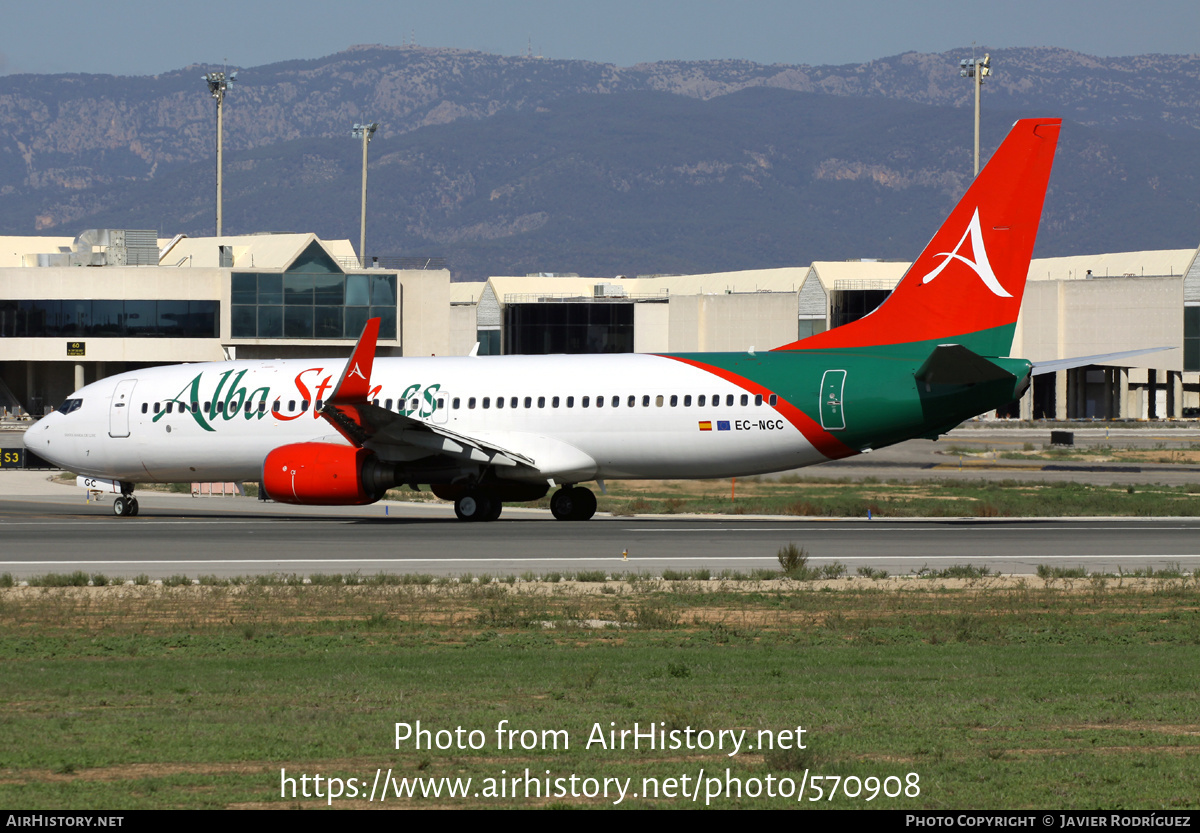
<point>880,273</point>
<point>1112,265</point>
<point>466,292</point>
<point>252,251</point>
<point>788,279</point>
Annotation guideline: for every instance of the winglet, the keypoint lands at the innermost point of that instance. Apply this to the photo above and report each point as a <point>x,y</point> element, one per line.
<point>355,383</point>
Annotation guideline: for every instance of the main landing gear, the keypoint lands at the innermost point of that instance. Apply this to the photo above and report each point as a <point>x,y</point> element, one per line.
<point>573,503</point>
<point>477,506</point>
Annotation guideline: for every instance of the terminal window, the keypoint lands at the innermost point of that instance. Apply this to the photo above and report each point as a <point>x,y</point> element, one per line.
<point>542,328</point>
<point>312,300</point>
<point>72,318</point>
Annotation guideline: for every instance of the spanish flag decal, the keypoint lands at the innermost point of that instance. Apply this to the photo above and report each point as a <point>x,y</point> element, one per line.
<point>705,426</point>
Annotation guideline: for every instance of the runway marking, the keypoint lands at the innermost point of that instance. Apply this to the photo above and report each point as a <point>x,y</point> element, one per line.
<point>59,521</point>
<point>939,526</point>
<point>788,525</point>
<point>606,558</point>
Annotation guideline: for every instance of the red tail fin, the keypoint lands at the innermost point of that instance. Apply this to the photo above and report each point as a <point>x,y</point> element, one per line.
<point>967,284</point>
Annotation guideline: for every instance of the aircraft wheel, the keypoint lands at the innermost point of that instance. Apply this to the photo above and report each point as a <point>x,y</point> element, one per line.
<point>494,511</point>
<point>133,506</point>
<point>562,505</point>
<point>585,504</point>
<point>472,507</point>
<point>121,507</point>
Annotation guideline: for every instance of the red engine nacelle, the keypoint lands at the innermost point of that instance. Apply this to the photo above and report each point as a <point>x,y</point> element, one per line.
<point>325,474</point>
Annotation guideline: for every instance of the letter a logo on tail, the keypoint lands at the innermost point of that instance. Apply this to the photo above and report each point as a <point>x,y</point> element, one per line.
<point>979,265</point>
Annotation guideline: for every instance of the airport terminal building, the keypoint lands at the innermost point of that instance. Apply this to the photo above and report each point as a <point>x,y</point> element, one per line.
<point>73,310</point>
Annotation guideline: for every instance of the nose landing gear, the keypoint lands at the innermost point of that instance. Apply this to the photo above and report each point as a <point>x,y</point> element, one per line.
<point>125,507</point>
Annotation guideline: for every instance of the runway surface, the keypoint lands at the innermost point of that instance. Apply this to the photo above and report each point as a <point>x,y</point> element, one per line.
<point>240,536</point>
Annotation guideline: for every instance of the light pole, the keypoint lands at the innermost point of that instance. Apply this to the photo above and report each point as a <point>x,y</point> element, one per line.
<point>978,70</point>
<point>218,83</point>
<point>364,132</point>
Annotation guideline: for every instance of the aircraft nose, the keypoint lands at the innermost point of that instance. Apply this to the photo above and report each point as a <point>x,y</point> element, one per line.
<point>45,439</point>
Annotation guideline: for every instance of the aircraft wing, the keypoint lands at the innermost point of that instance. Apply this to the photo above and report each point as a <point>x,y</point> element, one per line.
<point>354,417</point>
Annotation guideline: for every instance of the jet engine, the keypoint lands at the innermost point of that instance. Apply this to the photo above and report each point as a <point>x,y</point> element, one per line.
<point>325,474</point>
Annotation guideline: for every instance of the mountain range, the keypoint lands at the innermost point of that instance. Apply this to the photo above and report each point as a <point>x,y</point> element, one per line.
<point>510,165</point>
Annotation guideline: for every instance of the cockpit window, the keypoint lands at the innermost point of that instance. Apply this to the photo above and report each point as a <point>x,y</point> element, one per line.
<point>69,405</point>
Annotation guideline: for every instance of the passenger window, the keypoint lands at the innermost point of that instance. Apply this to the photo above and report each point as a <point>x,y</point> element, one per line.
<point>499,401</point>
<point>262,406</point>
<point>554,402</point>
<point>599,401</point>
<point>195,407</point>
<point>687,401</point>
<point>512,403</point>
<point>774,400</point>
<point>387,403</point>
<point>674,400</point>
<point>275,406</point>
<point>145,407</point>
<point>585,402</point>
<point>758,399</point>
<point>528,401</point>
<point>658,401</point>
<point>729,401</point>
<point>291,405</point>
<point>487,402</point>
<point>632,401</point>
<point>220,407</point>
<point>471,403</point>
<point>541,402</point>
<point>456,403</point>
<point>375,402</point>
<point>170,406</point>
<point>699,400</point>
<point>156,407</point>
<point>249,407</point>
<point>303,405</point>
<point>570,401</point>
<point>320,404</point>
<point>745,399</point>
<point>208,407</point>
<point>414,404</point>
<point>646,400</point>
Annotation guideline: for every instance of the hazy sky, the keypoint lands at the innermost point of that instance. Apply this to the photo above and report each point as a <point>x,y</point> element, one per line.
<point>143,37</point>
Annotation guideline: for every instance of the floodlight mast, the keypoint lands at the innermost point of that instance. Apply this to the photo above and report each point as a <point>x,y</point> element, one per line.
<point>218,83</point>
<point>364,132</point>
<point>977,69</point>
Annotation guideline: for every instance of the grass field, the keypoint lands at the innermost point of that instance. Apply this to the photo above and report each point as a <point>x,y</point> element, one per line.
<point>831,497</point>
<point>1056,692</point>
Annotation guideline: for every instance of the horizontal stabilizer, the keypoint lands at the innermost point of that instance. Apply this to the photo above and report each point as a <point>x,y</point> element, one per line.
<point>1056,365</point>
<point>953,364</point>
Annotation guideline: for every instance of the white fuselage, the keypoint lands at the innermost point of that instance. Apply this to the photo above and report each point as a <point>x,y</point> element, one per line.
<point>225,417</point>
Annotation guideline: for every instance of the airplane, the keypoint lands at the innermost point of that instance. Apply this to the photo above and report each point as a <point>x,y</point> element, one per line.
<point>484,430</point>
